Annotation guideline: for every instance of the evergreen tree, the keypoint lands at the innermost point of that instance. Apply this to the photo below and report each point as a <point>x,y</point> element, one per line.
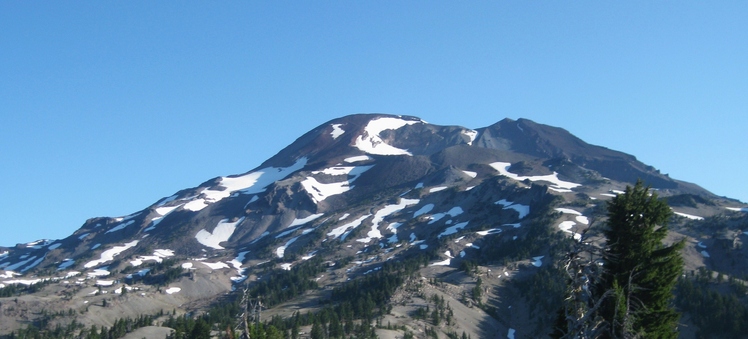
<point>201,330</point>
<point>273,333</point>
<point>335,329</point>
<point>295,329</point>
<point>639,270</point>
<point>317,331</point>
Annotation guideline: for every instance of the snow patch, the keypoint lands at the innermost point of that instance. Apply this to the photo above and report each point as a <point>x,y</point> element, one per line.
<point>39,244</point>
<point>222,232</point>
<point>358,158</point>
<point>444,262</point>
<point>393,228</point>
<point>264,234</point>
<point>453,229</point>
<point>120,226</point>
<point>109,254</point>
<point>8,274</point>
<point>491,231</point>
<point>33,264</point>
<point>423,210</point>
<point>471,134</point>
<point>566,226</point>
<point>71,274</point>
<point>280,251</point>
<point>141,273</point>
<point>215,265</point>
<point>302,221</point>
<point>379,216</point>
<point>503,169</point>
<point>705,254</point>
<point>287,232</point>
<point>65,264</point>
<point>455,211</point>
<point>522,210</point>
<point>172,290</point>
<point>321,191</point>
<point>196,205</point>
<point>336,131</point>
<point>158,256</point>
<point>309,256</point>
<point>27,282</point>
<point>437,189</point>
<point>370,141</point>
<point>471,173</point>
<point>124,287</point>
<point>692,217</point>
<point>168,200</point>
<point>100,272</point>
<point>342,230</point>
<point>163,212</point>
<point>251,200</point>
<point>579,217</point>
<point>414,241</point>
<point>250,183</point>
<point>568,211</point>
<point>560,190</point>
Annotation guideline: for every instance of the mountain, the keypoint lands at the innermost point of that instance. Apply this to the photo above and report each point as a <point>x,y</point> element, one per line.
<point>410,213</point>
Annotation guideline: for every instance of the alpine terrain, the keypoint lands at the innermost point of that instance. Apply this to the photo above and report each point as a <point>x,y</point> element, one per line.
<point>368,226</point>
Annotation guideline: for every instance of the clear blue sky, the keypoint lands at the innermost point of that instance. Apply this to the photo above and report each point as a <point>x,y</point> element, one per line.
<point>107,106</point>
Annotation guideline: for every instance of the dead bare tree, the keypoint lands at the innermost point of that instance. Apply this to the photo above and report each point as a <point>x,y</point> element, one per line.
<point>581,319</point>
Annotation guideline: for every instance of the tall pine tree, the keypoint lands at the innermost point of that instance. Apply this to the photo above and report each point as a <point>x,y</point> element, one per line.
<point>638,268</point>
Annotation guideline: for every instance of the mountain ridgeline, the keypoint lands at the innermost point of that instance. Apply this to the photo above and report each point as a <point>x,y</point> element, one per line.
<point>369,225</point>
